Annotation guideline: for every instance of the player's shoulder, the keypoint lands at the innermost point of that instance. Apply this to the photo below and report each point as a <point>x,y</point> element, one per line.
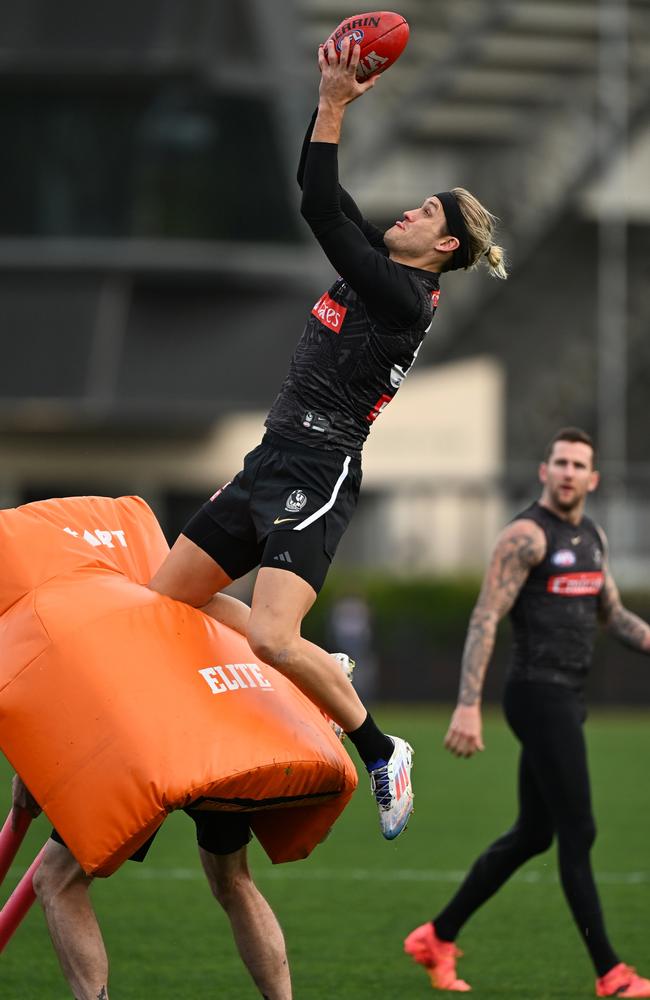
<point>597,531</point>
<point>426,290</point>
<point>525,538</point>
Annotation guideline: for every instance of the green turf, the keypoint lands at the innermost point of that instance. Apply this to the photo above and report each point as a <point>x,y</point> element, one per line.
<point>346,909</point>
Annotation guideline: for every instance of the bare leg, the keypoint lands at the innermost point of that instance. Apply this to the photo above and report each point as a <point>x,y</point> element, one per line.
<point>188,574</point>
<point>280,602</point>
<point>229,611</point>
<point>254,926</point>
<point>62,889</point>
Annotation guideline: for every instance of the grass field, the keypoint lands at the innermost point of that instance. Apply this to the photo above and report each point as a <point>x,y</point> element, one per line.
<point>347,908</point>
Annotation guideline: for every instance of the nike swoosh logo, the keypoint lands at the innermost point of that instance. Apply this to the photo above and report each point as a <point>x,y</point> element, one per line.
<point>281,520</point>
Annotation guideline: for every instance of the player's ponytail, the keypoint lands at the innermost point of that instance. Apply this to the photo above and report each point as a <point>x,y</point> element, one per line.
<point>481,227</point>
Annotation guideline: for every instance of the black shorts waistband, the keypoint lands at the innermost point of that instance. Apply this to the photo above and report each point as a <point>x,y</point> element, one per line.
<point>324,454</point>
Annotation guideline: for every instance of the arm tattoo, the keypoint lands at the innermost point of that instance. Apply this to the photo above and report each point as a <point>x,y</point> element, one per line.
<point>476,656</point>
<point>625,625</point>
<point>515,560</point>
<point>511,562</point>
<point>102,995</point>
<point>630,629</point>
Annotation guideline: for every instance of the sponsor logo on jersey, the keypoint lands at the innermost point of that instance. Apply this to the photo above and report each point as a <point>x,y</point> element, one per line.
<point>575,584</point>
<point>563,557</point>
<point>100,536</point>
<point>597,556</point>
<point>330,313</point>
<point>295,501</point>
<point>235,677</point>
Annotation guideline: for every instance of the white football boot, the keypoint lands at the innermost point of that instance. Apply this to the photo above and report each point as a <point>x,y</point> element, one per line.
<point>391,786</point>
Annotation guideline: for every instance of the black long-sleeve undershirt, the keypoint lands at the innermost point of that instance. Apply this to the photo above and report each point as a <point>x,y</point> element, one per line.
<point>348,205</point>
<point>354,246</point>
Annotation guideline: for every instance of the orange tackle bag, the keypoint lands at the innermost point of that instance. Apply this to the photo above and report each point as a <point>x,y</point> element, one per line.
<point>118,705</point>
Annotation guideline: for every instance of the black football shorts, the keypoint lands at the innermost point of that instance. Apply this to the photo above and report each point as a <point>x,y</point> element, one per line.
<point>287,509</point>
<point>216,832</point>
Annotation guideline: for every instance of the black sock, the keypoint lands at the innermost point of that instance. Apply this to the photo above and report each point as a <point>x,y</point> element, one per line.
<point>373,746</point>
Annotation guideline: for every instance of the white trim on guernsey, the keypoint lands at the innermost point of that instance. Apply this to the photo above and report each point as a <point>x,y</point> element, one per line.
<point>330,503</point>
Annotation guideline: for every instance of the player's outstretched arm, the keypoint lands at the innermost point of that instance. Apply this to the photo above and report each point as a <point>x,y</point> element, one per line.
<point>520,546</point>
<point>625,625</point>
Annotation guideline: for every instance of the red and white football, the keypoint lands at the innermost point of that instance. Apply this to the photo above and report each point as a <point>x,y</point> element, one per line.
<point>382,36</point>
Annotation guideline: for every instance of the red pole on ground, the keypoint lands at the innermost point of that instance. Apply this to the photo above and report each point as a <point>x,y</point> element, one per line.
<point>19,902</point>
<point>10,840</point>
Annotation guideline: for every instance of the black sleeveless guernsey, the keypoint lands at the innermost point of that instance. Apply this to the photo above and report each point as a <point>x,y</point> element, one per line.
<point>555,617</point>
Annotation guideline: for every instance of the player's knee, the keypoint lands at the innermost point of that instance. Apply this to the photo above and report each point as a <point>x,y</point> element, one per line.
<point>42,884</point>
<point>586,832</point>
<point>272,644</point>
<point>539,841</point>
<point>231,889</point>
<point>55,876</point>
<point>527,841</point>
<point>576,839</point>
<point>263,644</point>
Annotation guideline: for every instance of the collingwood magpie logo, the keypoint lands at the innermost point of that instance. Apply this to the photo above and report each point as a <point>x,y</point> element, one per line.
<point>295,501</point>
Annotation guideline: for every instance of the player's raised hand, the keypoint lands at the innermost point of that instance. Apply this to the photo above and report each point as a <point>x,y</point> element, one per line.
<point>464,736</point>
<point>338,82</point>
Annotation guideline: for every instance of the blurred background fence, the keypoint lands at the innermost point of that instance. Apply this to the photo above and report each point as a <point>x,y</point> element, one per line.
<point>155,275</point>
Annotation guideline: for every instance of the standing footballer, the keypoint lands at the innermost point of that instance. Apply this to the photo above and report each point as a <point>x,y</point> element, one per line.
<point>549,569</point>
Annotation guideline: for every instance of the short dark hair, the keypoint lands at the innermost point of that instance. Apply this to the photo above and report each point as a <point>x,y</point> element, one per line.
<point>572,434</point>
